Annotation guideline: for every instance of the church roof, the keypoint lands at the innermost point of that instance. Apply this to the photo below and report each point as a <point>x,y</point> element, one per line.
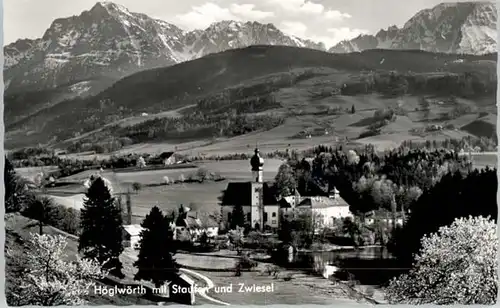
<point>240,193</point>
<point>133,230</point>
<point>320,202</point>
<point>316,202</point>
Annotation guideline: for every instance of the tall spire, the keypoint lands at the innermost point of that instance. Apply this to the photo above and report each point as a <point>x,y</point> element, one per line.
<point>257,164</point>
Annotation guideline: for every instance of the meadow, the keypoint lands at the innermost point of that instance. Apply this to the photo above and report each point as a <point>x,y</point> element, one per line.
<point>199,196</point>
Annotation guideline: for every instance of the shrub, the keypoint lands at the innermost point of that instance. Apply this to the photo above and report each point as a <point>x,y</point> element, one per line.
<point>456,265</point>
<point>49,279</point>
<point>246,263</point>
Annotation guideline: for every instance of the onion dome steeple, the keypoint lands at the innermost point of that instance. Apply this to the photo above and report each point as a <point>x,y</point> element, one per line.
<point>257,162</point>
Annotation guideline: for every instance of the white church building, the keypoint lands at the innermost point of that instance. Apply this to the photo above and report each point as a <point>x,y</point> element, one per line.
<point>256,197</point>
<point>261,206</point>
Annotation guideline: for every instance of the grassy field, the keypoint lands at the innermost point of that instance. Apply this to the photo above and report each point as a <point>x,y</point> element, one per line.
<point>305,110</point>
<point>30,172</point>
<point>481,160</point>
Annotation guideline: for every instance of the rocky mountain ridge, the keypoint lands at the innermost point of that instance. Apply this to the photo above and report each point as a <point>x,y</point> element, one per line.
<point>108,40</point>
<point>464,27</point>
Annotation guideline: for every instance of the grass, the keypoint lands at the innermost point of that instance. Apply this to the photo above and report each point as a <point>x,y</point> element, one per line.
<point>31,172</point>
<point>481,160</point>
<point>200,196</point>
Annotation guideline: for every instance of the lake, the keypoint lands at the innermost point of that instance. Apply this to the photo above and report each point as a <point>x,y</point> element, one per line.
<point>370,266</point>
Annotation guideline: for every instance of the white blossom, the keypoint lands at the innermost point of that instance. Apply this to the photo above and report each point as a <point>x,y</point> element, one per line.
<point>456,265</point>
<point>50,280</point>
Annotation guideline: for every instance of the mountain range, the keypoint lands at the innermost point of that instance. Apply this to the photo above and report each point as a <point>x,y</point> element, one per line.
<point>464,27</point>
<point>87,53</point>
<point>108,65</point>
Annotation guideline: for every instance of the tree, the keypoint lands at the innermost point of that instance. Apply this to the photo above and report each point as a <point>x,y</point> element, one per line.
<point>202,174</point>
<point>237,217</point>
<point>456,265</point>
<point>42,209</point>
<point>454,196</point>
<point>204,239</point>
<point>141,163</point>
<point>236,238</point>
<point>157,248</point>
<point>49,280</point>
<point>101,224</point>
<point>14,188</point>
<point>285,180</point>
<point>136,187</point>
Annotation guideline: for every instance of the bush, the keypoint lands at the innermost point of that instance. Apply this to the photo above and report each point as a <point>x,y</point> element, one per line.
<point>369,133</point>
<point>456,265</point>
<point>68,219</point>
<point>246,263</point>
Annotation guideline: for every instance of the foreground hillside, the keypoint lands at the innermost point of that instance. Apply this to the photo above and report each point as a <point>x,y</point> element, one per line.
<point>244,90</point>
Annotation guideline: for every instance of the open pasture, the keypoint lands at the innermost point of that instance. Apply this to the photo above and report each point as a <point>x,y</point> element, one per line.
<point>30,172</point>
<point>73,201</point>
<point>232,170</point>
<point>202,197</point>
<point>481,160</point>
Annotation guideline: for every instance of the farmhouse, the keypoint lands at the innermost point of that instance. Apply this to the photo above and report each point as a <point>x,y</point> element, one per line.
<point>168,158</point>
<point>324,210</point>
<point>193,224</point>
<point>256,197</point>
<point>382,216</point>
<point>131,235</point>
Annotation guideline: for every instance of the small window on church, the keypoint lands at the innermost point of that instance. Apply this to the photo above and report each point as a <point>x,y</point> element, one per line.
<point>265,216</point>
<point>274,214</point>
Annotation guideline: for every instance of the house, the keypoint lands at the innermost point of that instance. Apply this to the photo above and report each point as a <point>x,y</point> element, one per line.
<point>192,224</point>
<point>168,158</point>
<point>131,235</point>
<point>382,216</point>
<point>324,210</point>
<point>256,197</point>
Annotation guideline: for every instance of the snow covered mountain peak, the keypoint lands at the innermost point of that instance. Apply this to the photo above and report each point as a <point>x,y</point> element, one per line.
<point>462,27</point>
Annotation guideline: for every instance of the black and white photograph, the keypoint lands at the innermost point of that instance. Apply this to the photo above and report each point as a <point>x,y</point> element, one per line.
<point>250,152</point>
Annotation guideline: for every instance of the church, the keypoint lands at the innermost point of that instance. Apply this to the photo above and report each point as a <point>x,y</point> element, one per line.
<point>256,197</point>
<point>262,209</point>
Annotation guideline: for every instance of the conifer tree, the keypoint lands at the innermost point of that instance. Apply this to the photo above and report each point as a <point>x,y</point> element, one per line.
<point>13,189</point>
<point>101,225</point>
<point>157,248</point>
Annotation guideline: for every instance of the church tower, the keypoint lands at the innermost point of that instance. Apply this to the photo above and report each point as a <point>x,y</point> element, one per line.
<point>257,206</point>
<point>257,163</point>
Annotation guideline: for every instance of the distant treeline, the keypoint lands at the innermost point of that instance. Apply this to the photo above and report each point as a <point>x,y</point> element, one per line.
<point>38,156</point>
<point>393,84</point>
<point>193,126</point>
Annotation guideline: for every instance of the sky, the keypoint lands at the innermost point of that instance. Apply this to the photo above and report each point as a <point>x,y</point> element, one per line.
<point>327,21</point>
